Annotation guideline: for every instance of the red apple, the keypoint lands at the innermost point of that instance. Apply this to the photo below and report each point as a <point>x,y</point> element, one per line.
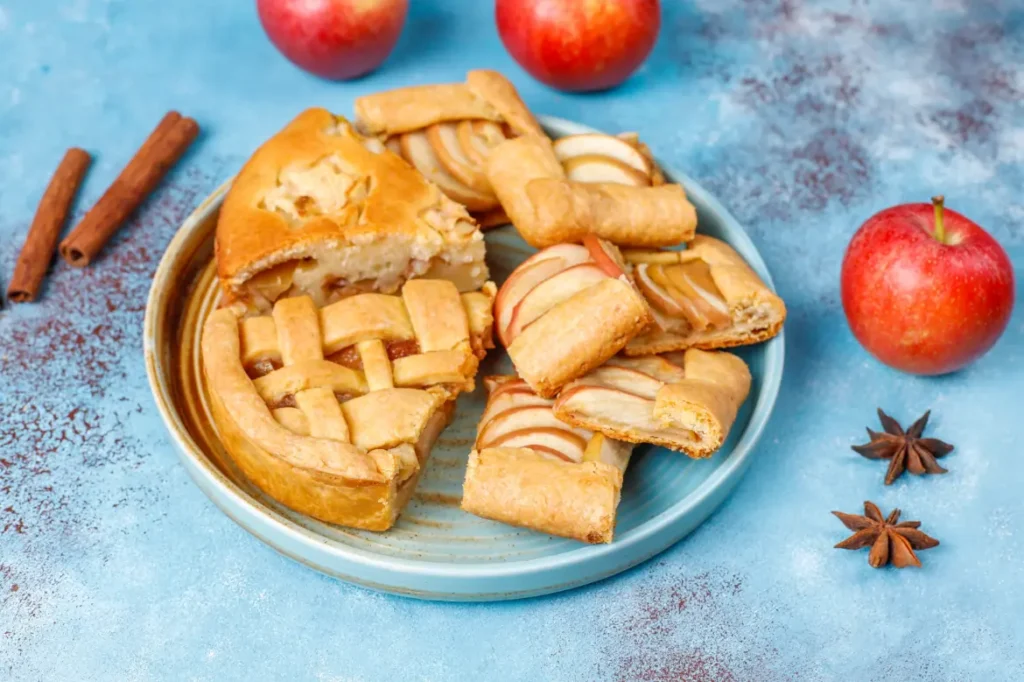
<point>579,46</point>
<point>337,39</point>
<point>926,290</point>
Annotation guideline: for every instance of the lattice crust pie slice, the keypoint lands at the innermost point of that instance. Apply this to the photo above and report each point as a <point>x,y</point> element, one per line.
<point>565,310</point>
<point>333,411</point>
<point>448,131</point>
<point>703,297</point>
<point>550,203</point>
<point>682,401</point>
<point>529,469</point>
<point>321,211</point>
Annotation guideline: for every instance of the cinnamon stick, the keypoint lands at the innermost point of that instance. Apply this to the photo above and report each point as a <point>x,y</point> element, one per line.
<point>155,157</point>
<point>41,242</point>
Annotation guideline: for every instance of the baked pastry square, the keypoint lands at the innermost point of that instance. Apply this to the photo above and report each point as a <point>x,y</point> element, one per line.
<point>319,210</point>
<point>565,310</point>
<point>547,207</point>
<point>448,131</point>
<point>333,411</point>
<point>529,469</point>
<point>703,297</point>
<point>682,401</point>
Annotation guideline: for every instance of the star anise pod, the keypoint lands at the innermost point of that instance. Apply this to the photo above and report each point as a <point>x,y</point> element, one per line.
<point>906,450</point>
<point>889,539</point>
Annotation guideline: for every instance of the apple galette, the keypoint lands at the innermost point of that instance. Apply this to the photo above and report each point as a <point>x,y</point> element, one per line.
<point>703,297</point>
<point>682,401</point>
<point>448,131</point>
<point>319,210</point>
<point>548,207</point>
<point>565,310</point>
<point>333,411</point>
<point>529,469</point>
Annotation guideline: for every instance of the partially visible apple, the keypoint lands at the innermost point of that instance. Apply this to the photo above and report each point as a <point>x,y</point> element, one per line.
<point>579,46</point>
<point>336,39</point>
<point>926,290</point>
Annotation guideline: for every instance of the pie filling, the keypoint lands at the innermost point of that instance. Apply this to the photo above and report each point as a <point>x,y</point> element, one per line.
<point>683,295</point>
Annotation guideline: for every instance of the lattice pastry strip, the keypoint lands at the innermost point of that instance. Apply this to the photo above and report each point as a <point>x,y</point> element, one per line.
<point>530,469</point>
<point>332,411</point>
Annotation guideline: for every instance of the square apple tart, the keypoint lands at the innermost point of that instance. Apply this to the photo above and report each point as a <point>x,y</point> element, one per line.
<point>322,211</point>
<point>565,310</point>
<point>682,401</point>
<point>529,469</point>
<point>705,296</point>
<point>333,411</point>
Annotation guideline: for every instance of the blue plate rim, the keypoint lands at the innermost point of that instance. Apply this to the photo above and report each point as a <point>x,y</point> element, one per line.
<point>651,537</point>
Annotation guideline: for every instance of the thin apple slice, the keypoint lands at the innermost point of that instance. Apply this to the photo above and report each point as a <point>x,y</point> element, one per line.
<point>556,441</point>
<point>605,255</point>
<point>625,379</point>
<point>517,419</point>
<point>693,279</point>
<point>604,403</point>
<point>445,141</point>
<point>637,256</point>
<point>550,293</point>
<point>655,294</point>
<point>511,399</point>
<point>417,150</point>
<point>595,168</point>
<point>655,366</point>
<point>394,144</point>
<point>692,312</point>
<point>599,144</point>
<point>478,138</point>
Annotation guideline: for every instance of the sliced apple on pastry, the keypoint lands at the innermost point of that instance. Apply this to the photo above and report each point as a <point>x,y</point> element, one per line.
<point>444,139</point>
<point>599,144</point>
<point>518,419</point>
<point>512,398</point>
<point>605,255</point>
<point>417,150</point>
<point>478,138</point>
<point>550,293</point>
<point>595,168</point>
<point>606,402</point>
<point>694,280</point>
<point>554,441</point>
<point>655,293</point>
<point>626,379</point>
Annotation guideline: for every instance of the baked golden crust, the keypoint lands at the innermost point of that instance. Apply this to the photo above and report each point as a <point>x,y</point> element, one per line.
<point>321,211</point>
<point>547,208</point>
<point>528,469</point>
<point>756,312</point>
<point>333,411</point>
<point>486,95</point>
<point>682,401</point>
<point>561,313</point>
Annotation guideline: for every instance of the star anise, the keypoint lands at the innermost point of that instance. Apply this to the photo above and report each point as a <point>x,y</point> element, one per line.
<point>890,539</point>
<point>906,450</point>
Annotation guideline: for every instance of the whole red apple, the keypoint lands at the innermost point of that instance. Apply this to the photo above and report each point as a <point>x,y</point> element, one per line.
<point>337,39</point>
<point>926,290</point>
<point>578,46</point>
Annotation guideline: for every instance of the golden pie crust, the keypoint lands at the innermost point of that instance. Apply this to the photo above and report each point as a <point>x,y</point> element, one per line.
<point>320,210</point>
<point>757,313</point>
<point>333,411</point>
<point>528,469</point>
<point>682,401</point>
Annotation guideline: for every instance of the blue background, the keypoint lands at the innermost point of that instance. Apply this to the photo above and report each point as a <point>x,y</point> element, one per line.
<point>804,118</point>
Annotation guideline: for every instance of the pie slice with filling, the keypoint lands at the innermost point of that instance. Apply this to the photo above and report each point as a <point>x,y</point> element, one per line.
<point>333,411</point>
<point>565,310</point>
<point>703,297</point>
<point>529,469</point>
<point>321,211</point>
<point>682,401</point>
<point>447,131</point>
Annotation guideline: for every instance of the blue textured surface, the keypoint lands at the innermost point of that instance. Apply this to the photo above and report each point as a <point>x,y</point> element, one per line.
<point>804,117</point>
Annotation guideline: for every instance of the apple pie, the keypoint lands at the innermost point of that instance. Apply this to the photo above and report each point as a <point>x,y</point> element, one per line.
<point>333,411</point>
<point>565,310</point>
<point>703,297</point>
<point>448,131</point>
<point>682,401</point>
<point>548,206</point>
<point>321,211</point>
<point>529,469</point>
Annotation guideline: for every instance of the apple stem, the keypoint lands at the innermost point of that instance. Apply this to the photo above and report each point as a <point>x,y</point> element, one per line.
<point>940,226</point>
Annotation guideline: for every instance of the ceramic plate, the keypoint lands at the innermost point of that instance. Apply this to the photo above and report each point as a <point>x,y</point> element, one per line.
<point>436,551</point>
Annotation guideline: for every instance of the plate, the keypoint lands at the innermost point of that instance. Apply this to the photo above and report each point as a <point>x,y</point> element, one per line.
<point>436,551</point>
